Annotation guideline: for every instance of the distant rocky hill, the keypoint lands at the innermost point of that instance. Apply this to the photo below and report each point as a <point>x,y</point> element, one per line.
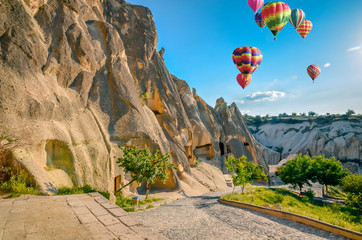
<point>334,137</point>
<point>80,77</point>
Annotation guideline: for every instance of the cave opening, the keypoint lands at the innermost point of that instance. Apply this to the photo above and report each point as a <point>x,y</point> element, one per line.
<point>222,151</point>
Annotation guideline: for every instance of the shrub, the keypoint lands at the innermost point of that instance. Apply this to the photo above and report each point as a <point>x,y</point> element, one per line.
<point>310,193</point>
<point>354,201</point>
<point>352,183</point>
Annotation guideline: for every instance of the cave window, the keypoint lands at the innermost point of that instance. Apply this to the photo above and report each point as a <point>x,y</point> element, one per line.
<point>117,185</point>
<point>228,148</point>
<point>246,144</point>
<point>222,152</point>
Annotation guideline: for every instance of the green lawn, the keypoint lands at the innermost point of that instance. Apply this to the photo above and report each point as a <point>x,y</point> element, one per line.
<point>336,214</point>
<point>127,203</point>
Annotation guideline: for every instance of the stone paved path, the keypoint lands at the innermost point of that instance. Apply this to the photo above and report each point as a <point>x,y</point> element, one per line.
<point>69,217</point>
<point>204,218</point>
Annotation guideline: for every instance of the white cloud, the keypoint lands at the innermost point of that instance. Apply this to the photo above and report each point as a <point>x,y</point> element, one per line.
<point>294,77</point>
<point>353,49</point>
<point>239,101</point>
<point>264,96</point>
<point>244,111</point>
<point>327,65</point>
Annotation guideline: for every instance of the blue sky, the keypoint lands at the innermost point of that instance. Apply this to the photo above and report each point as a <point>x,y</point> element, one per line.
<point>199,37</point>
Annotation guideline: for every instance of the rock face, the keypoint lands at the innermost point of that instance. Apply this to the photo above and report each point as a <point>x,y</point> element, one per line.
<point>341,139</point>
<point>80,77</point>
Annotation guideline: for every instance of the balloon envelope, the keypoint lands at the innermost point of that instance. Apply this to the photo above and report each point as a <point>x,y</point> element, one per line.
<point>259,20</point>
<point>275,15</point>
<point>247,60</point>
<point>305,28</point>
<point>297,17</point>
<point>313,71</point>
<point>255,4</point>
<point>243,82</point>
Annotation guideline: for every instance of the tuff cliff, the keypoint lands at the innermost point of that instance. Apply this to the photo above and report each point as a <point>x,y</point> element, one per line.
<point>340,138</point>
<point>80,77</point>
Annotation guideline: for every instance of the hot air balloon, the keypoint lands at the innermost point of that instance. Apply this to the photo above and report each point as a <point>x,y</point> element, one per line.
<point>255,4</point>
<point>247,60</point>
<point>305,28</point>
<point>259,20</point>
<point>275,15</point>
<point>242,81</point>
<point>297,17</point>
<point>313,71</point>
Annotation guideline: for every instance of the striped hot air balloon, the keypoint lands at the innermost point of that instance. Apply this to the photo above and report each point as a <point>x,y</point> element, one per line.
<point>305,28</point>
<point>247,60</point>
<point>297,17</point>
<point>275,15</point>
<point>259,20</point>
<point>242,81</point>
<point>255,4</point>
<point>313,71</point>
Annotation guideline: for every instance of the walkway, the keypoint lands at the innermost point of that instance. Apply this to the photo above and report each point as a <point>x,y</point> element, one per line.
<point>204,218</point>
<point>72,217</point>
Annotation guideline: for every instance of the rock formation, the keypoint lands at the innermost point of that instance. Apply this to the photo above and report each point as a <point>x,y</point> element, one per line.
<point>80,77</point>
<point>340,138</point>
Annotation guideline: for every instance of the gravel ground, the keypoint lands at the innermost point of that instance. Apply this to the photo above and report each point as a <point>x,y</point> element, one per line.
<point>203,217</point>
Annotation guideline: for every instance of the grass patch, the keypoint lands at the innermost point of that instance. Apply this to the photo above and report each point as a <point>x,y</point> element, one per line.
<point>75,190</point>
<point>336,193</point>
<point>336,214</point>
<point>127,202</point>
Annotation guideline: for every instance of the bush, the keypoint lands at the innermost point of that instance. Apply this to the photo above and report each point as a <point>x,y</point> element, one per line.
<point>354,201</point>
<point>310,194</point>
<point>352,183</point>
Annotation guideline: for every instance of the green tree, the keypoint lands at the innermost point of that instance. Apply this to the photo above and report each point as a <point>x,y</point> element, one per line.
<point>350,112</point>
<point>294,114</point>
<point>244,172</point>
<point>311,114</point>
<point>297,172</point>
<point>145,166</point>
<point>258,120</point>
<point>327,171</point>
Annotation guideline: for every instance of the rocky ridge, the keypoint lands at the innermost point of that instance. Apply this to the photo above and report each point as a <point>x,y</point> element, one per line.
<point>340,138</point>
<point>80,77</point>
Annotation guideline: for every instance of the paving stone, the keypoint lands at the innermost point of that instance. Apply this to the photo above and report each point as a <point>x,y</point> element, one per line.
<point>75,203</point>
<point>6,203</point>
<point>19,203</point>
<point>94,194</point>
<point>81,210</point>
<point>108,219</point>
<point>117,212</point>
<point>123,232</point>
<point>99,211</point>
<point>105,236</point>
<point>129,220</point>
<point>96,228</point>
<point>87,218</point>
<point>109,205</point>
<point>101,200</point>
<point>92,204</point>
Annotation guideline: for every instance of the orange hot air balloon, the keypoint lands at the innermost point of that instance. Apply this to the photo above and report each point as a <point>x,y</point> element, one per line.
<point>243,82</point>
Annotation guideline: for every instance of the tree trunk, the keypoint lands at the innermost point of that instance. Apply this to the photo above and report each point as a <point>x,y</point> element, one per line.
<point>233,189</point>
<point>148,187</point>
<point>323,193</point>
<point>300,190</point>
<point>242,189</point>
<point>326,190</point>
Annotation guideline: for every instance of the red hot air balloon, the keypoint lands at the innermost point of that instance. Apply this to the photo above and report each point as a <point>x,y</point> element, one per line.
<point>247,60</point>
<point>305,28</point>
<point>313,71</point>
<point>242,81</point>
<point>255,4</point>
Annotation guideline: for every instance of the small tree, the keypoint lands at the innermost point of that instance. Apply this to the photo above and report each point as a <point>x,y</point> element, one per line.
<point>145,166</point>
<point>328,171</point>
<point>350,112</point>
<point>244,172</point>
<point>297,172</point>
<point>311,114</point>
